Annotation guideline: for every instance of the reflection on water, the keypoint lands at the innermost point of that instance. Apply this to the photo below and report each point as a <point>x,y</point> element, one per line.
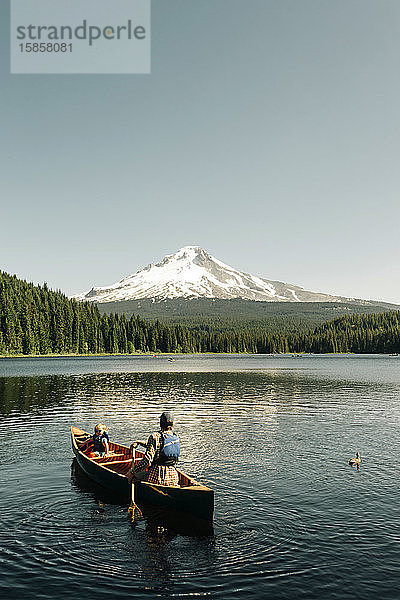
<point>272,438</point>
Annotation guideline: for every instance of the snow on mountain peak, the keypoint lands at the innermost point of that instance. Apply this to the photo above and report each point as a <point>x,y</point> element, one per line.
<point>192,273</point>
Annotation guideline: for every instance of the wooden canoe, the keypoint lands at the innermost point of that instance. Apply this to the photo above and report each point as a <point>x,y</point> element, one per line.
<point>191,497</point>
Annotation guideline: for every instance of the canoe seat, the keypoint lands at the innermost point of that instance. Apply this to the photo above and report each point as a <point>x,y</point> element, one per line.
<point>99,458</point>
<point>115,462</point>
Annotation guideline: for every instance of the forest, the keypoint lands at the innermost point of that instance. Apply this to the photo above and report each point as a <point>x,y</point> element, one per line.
<point>282,317</point>
<point>35,320</point>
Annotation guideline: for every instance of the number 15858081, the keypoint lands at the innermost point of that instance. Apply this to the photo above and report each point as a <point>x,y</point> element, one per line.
<point>45,47</point>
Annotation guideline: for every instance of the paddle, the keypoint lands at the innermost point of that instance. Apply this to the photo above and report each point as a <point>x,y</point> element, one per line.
<point>132,506</point>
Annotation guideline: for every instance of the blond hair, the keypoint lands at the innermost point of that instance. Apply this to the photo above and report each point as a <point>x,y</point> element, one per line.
<point>100,427</point>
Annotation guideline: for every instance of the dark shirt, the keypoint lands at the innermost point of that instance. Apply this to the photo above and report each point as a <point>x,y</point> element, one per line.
<point>99,441</point>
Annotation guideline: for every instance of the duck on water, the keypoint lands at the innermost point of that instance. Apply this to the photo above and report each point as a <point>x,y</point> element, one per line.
<point>355,462</point>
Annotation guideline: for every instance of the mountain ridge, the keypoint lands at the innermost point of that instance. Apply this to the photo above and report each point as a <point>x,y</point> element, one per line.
<point>194,273</point>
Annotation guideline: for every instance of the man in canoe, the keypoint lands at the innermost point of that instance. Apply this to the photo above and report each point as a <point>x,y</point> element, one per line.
<point>161,456</point>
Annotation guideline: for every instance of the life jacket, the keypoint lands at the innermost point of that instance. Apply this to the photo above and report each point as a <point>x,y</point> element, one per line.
<point>169,449</point>
<point>98,441</point>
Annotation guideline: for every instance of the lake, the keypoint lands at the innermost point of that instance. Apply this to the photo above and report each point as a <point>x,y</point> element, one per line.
<point>271,435</point>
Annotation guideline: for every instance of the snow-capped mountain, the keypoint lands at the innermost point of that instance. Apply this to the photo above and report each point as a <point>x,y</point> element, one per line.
<point>193,273</point>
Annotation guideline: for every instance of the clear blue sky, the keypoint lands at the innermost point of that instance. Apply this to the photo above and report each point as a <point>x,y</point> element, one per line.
<point>268,133</point>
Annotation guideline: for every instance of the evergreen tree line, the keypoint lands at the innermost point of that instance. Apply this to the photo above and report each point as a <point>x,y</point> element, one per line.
<point>36,320</point>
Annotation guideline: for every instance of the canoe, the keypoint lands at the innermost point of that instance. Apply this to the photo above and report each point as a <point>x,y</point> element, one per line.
<point>191,497</point>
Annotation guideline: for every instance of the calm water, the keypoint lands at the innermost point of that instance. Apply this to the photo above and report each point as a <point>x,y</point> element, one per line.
<point>272,436</point>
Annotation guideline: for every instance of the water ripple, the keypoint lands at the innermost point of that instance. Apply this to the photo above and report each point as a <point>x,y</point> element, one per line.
<point>291,520</point>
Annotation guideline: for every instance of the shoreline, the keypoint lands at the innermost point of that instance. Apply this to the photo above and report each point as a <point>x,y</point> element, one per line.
<point>102,354</point>
<point>186,354</point>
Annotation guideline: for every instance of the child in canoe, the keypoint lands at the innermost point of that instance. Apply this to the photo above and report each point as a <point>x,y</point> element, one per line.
<point>99,442</point>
